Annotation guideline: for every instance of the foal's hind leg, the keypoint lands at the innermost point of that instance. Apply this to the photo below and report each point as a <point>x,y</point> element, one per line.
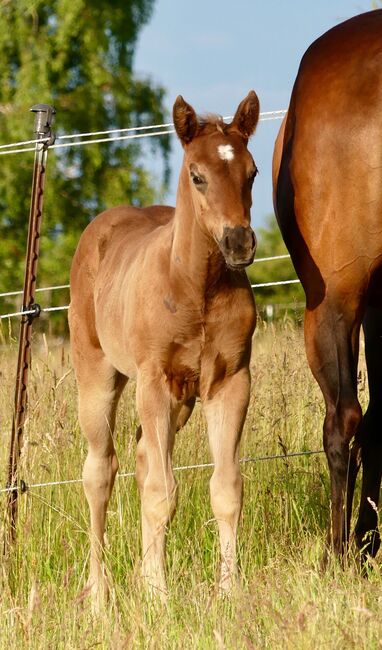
<point>367,534</point>
<point>225,413</point>
<point>99,388</point>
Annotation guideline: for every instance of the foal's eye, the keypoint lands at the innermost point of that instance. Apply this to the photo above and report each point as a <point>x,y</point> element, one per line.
<point>197,180</point>
<point>253,175</point>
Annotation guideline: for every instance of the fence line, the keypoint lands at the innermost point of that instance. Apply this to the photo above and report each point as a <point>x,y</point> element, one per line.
<point>274,284</point>
<point>19,144</point>
<point>19,293</point>
<point>63,307</point>
<point>135,136</point>
<point>264,116</point>
<point>24,487</point>
<point>6,149</point>
<point>268,259</point>
<point>29,312</point>
<point>67,286</point>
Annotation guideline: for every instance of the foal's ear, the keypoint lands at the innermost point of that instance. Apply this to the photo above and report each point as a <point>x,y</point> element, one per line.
<point>247,115</point>
<point>185,120</point>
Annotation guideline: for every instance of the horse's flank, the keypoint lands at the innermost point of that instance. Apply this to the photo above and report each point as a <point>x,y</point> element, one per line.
<point>328,200</point>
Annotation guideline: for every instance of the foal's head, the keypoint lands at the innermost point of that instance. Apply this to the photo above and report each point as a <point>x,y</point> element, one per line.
<point>220,173</point>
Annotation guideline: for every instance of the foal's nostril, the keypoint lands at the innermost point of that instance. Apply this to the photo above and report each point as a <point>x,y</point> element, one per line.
<point>238,245</point>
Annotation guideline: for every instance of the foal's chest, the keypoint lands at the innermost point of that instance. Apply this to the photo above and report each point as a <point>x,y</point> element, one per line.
<point>198,364</point>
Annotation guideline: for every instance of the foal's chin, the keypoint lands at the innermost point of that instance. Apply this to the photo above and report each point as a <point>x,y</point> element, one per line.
<point>238,265</point>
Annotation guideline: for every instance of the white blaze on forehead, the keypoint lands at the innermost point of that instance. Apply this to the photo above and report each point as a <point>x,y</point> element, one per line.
<point>226,152</point>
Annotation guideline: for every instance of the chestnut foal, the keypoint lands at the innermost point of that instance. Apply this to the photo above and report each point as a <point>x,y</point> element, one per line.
<point>160,295</point>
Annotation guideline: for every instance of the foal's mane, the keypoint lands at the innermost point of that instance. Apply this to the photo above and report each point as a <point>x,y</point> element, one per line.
<point>210,123</point>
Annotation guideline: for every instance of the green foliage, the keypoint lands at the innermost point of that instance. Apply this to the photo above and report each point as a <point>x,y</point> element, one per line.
<point>77,56</point>
<point>270,243</point>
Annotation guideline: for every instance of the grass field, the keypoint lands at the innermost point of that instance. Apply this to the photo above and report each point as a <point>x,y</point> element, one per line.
<point>284,600</point>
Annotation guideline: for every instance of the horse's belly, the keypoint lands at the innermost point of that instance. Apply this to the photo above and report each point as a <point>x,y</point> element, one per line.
<point>118,353</point>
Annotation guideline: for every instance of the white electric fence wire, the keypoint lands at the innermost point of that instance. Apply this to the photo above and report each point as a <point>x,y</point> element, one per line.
<point>19,293</point>
<point>27,312</point>
<point>265,115</point>
<point>113,139</point>
<point>10,148</point>
<point>273,284</point>
<point>20,144</point>
<point>181,468</point>
<point>5,153</point>
<point>268,259</point>
<point>49,309</point>
<point>111,131</point>
<point>67,286</point>
<point>63,307</point>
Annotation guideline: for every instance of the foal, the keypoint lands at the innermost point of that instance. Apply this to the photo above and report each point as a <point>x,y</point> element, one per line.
<point>160,295</point>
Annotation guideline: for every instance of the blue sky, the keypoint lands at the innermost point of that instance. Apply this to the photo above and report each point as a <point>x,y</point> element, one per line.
<point>213,53</point>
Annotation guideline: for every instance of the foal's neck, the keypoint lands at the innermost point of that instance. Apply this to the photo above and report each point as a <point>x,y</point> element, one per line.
<point>194,252</point>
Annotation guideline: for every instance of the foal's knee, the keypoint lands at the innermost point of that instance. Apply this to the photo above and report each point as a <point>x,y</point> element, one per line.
<point>159,500</point>
<point>99,473</point>
<point>226,492</point>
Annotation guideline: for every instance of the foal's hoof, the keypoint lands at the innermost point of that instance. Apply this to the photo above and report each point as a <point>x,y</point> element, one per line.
<point>155,587</point>
<point>99,595</point>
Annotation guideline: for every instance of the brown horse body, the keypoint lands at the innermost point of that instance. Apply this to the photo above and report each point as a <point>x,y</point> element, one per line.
<point>328,200</point>
<point>159,295</point>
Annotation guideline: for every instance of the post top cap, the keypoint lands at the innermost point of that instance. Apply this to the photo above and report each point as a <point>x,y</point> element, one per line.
<point>43,108</point>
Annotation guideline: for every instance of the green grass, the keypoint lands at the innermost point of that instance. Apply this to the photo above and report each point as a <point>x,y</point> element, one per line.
<point>284,601</point>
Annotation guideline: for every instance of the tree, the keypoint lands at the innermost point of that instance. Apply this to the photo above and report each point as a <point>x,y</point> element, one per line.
<point>79,57</point>
<point>270,243</point>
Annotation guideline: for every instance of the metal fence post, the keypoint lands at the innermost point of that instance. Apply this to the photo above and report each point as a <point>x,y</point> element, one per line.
<point>44,115</point>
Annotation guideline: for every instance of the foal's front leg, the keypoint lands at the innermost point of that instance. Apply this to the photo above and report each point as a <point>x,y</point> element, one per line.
<point>225,413</point>
<point>157,486</point>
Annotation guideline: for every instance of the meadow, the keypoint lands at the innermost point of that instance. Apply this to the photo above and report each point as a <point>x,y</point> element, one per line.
<point>284,599</point>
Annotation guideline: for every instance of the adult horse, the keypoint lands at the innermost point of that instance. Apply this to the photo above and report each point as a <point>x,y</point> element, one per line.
<point>328,200</point>
<point>160,295</point>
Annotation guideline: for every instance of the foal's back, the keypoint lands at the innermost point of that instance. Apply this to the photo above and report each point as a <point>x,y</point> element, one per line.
<point>123,228</point>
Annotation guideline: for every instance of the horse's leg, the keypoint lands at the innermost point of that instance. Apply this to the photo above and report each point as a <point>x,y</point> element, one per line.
<point>332,340</point>
<point>225,413</point>
<point>367,534</point>
<point>157,486</point>
<point>99,388</point>
<point>183,417</point>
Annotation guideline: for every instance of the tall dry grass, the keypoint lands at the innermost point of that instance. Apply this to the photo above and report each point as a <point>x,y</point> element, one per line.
<point>284,600</point>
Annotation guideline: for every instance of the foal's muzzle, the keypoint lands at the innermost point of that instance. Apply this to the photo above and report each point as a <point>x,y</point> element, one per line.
<point>238,246</point>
